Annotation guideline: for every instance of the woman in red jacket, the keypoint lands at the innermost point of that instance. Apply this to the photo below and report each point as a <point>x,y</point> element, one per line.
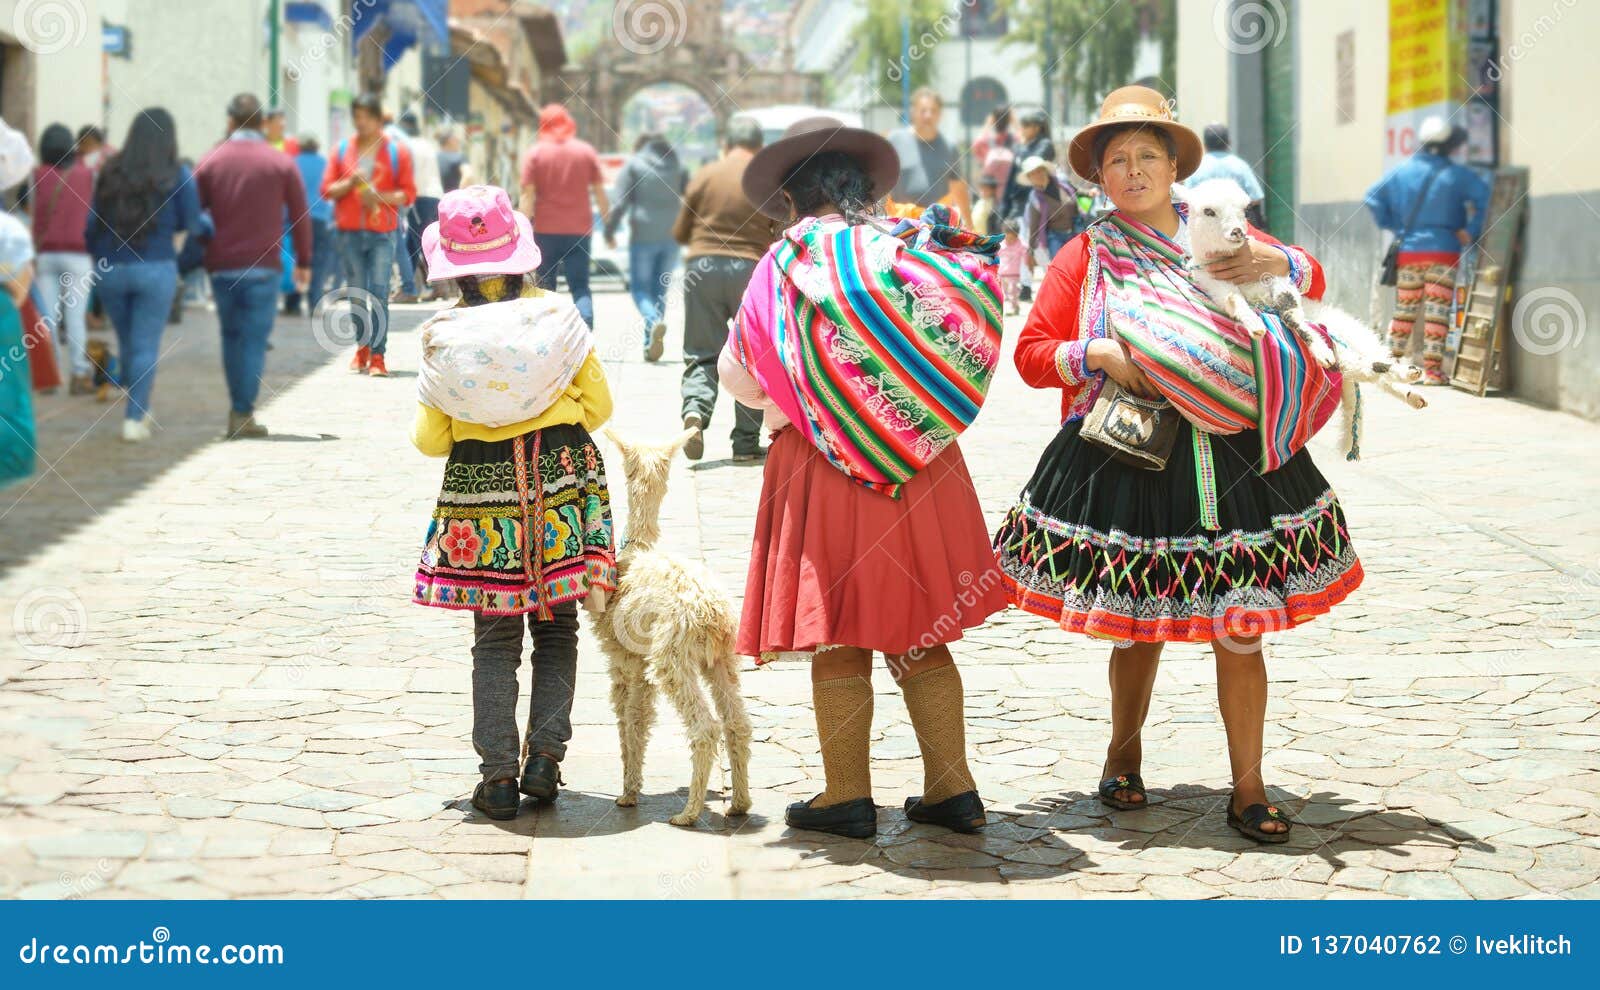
<point>1238,534</point>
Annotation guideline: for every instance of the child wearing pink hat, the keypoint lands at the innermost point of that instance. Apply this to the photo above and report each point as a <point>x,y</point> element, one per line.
<point>523,522</point>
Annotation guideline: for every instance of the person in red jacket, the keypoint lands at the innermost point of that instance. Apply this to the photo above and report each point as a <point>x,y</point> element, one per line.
<point>249,188</point>
<point>1212,546</point>
<point>369,182</point>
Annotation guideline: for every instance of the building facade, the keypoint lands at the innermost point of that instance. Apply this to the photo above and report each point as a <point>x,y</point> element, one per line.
<point>1322,97</point>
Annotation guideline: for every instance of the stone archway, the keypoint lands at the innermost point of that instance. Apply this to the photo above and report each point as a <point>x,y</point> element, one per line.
<point>687,49</point>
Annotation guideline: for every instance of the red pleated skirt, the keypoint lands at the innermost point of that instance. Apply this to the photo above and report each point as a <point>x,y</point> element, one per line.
<point>837,564</point>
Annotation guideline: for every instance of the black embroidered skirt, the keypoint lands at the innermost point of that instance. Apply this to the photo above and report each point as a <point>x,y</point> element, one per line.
<point>1119,552</point>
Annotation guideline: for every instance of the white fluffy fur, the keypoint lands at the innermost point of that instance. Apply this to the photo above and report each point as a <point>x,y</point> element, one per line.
<point>668,627</point>
<point>1217,227</point>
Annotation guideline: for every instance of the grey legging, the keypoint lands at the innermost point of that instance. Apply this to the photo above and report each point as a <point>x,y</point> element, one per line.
<point>496,661</point>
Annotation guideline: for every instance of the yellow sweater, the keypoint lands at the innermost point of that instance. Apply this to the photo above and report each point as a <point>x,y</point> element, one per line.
<point>587,402</point>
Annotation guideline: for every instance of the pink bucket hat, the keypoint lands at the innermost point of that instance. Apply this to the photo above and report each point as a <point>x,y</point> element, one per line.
<point>478,233</point>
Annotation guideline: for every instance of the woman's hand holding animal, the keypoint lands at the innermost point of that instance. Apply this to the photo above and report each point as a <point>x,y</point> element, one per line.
<point>1111,357</point>
<point>1252,262</point>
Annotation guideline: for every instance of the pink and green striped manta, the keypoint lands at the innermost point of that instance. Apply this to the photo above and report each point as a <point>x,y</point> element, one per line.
<point>1200,359</point>
<point>878,343</point>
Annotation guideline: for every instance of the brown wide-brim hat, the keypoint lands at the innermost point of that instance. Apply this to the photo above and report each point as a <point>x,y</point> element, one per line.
<point>764,176</point>
<point>1134,105</point>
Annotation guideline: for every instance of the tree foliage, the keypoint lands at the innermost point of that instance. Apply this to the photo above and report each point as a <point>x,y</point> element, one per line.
<point>1092,45</point>
<point>880,57</point>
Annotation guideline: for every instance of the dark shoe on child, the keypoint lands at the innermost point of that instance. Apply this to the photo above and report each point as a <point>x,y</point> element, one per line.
<point>498,799</point>
<point>696,447</point>
<point>856,819</point>
<point>81,385</point>
<point>962,813</point>
<point>540,777</point>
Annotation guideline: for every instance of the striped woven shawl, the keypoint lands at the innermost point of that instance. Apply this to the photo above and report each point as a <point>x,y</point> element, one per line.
<point>877,343</point>
<point>1199,358</point>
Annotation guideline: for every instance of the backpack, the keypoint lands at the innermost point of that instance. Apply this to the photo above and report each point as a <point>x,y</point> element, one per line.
<point>504,362</point>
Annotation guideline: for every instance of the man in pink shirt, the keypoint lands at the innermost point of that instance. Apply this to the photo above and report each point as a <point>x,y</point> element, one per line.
<point>558,175</point>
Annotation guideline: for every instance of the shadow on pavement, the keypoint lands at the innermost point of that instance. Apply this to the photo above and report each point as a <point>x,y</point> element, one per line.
<point>84,469</point>
<point>1001,851</point>
<point>1193,817</point>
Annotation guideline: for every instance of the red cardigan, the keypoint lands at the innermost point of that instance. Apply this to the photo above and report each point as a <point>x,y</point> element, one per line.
<point>1050,351</point>
<point>348,213</point>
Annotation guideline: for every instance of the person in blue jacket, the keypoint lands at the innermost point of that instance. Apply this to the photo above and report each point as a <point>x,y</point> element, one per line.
<point>1449,201</point>
<point>324,260</point>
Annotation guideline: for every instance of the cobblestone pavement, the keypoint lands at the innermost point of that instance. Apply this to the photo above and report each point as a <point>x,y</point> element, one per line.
<point>216,687</point>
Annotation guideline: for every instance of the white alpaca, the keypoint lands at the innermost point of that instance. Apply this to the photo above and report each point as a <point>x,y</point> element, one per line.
<point>667,627</point>
<point>1217,227</point>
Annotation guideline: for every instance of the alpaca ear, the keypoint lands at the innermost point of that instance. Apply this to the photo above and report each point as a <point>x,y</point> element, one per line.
<point>1180,192</point>
<point>621,444</point>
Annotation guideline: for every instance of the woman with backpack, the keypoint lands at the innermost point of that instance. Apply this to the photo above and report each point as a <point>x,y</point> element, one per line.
<point>369,182</point>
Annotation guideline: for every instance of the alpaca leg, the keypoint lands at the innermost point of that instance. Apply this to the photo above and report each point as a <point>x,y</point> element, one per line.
<point>1407,395</point>
<point>724,680</point>
<point>633,699</point>
<point>1236,306</point>
<point>699,724</point>
<point>1295,319</point>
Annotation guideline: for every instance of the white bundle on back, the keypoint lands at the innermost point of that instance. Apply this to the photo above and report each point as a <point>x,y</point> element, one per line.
<point>504,362</point>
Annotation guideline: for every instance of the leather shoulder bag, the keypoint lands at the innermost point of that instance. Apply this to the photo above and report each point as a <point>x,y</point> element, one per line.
<point>1136,431</point>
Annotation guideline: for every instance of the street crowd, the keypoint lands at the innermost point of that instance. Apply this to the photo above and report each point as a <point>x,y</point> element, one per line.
<point>848,290</point>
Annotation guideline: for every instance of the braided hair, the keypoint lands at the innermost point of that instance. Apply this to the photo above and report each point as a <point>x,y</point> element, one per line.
<point>479,290</point>
<point>831,177</point>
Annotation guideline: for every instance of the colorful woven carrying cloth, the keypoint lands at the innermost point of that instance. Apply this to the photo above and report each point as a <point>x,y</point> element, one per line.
<point>1203,361</point>
<point>877,342</point>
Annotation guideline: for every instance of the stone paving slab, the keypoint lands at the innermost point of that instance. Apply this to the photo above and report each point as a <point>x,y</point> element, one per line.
<point>216,686</point>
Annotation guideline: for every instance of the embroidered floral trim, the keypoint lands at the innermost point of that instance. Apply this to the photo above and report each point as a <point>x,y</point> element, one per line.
<point>1221,542</point>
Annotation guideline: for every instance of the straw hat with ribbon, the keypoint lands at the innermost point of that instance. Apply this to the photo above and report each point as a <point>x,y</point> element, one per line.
<point>1139,105</point>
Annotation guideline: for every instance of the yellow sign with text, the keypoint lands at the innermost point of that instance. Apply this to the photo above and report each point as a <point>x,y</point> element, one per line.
<point>1419,53</point>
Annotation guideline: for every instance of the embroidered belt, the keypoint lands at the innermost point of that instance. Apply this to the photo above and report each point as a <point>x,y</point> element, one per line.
<point>532,543</point>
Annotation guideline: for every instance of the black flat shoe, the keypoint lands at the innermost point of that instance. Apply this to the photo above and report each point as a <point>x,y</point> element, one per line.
<point>1123,782</point>
<point>497,798</point>
<point>856,819</point>
<point>962,813</point>
<point>1249,821</point>
<point>540,775</point>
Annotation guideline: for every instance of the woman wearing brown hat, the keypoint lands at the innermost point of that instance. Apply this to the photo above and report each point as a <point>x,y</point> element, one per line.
<point>869,345</point>
<point>1177,503</point>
